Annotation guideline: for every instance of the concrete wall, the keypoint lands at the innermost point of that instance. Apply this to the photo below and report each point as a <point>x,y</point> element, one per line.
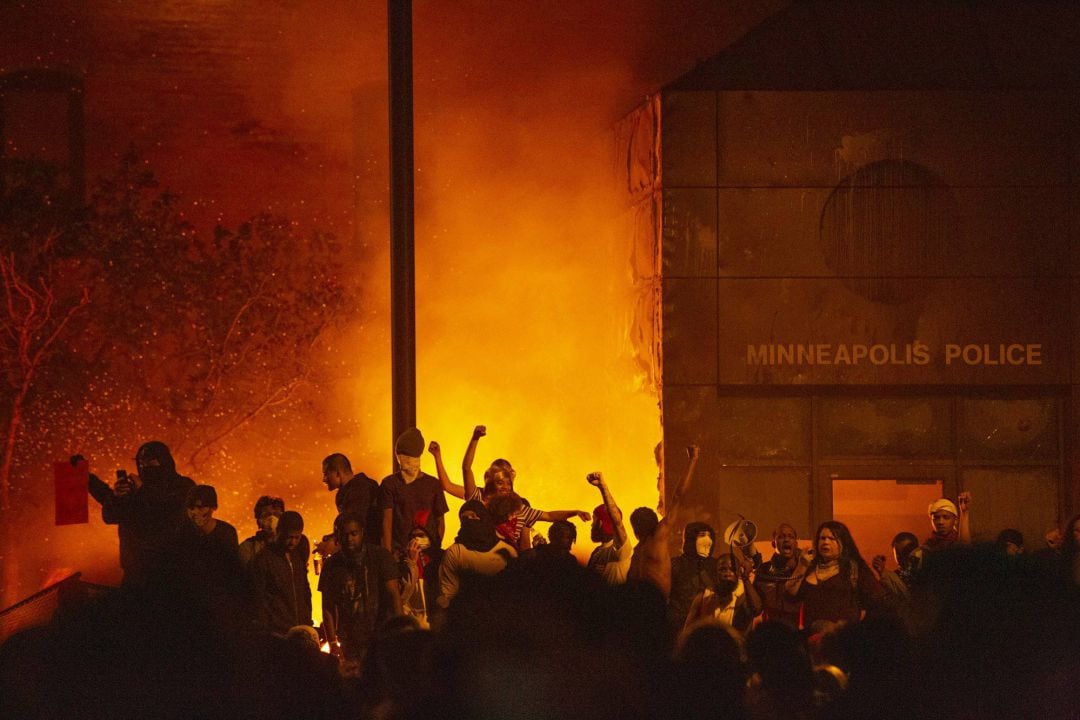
<point>916,255</point>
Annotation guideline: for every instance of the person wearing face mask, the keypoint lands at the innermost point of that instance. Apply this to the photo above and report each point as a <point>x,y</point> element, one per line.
<point>498,488</point>
<point>770,578</point>
<point>691,572</point>
<point>148,508</point>
<point>477,551</point>
<point>201,505</point>
<point>411,498</point>
<point>729,598</point>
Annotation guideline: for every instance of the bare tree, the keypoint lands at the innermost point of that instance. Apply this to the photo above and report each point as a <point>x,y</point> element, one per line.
<point>35,315</point>
<point>187,336</point>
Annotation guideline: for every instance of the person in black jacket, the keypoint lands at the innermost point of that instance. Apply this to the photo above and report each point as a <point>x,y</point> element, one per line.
<point>689,571</point>
<point>354,494</point>
<point>148,508</point>
<point>279,580</point>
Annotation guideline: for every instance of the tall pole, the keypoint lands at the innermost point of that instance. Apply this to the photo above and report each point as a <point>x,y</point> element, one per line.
<point>402,270</point>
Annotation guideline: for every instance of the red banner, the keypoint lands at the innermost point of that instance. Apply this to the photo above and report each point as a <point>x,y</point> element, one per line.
<point>72,492</point>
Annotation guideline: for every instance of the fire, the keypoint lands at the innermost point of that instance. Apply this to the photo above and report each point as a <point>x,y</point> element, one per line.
<point>524,291</point>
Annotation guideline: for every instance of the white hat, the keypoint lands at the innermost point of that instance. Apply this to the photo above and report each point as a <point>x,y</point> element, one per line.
<point>943,504</point>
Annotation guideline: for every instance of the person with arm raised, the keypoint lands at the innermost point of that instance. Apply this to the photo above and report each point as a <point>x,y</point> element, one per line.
<point>611,559</point>
<point>651,560</point>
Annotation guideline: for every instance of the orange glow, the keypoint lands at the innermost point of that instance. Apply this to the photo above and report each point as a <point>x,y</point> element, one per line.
<point>524,291</point>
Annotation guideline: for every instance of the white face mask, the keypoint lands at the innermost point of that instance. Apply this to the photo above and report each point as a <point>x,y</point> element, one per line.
<point>410,466</point>
<point>703,546</point>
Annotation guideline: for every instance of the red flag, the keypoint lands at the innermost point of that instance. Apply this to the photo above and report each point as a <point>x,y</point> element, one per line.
<point>72,492</point>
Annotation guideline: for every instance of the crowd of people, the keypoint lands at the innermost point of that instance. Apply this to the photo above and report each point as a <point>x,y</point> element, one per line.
<point>505,622</point>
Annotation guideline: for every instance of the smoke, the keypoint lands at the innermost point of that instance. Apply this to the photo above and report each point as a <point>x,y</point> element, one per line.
<point>523,286</point>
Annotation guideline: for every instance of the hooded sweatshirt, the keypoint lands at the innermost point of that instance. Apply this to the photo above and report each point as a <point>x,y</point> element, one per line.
<point>146,517</point>
<point>686,573</point>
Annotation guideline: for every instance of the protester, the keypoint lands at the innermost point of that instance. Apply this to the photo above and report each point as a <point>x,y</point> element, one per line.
<point>268,512</point>
<point>359,586</point>
<point>691,572</point>
<point>730,598</point>
<point>410,497</point>
<point>559,546</point>
<point>782,674</point>
<point>651,559</point>
<point>282,592</point>
<point>897,583</point>
<point>950,523</point>
<point>1010,542</point>
<point>477,551</point>
<point>356,494</point>
<point>201,504</point>
<point>611,559</point>
<point>516,528</point>
<point>771,577</point>
<point>420,581</point>
<point>834,583</point>
<point>147,508</point>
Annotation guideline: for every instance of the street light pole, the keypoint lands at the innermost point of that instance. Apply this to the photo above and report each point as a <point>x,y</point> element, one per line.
<point>402,231</point>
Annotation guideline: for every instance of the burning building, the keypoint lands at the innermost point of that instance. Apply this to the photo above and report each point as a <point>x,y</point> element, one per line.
<point>247,107</point>
<point>857,252</point>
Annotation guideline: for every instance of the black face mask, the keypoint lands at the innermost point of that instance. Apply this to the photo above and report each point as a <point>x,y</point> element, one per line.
<point>152,474</point>
<point>477,535</point>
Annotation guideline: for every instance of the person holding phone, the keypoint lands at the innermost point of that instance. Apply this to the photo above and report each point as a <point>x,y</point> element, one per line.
<point>148,507</point>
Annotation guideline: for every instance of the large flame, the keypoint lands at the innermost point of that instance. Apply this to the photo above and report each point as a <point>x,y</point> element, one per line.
<point>524,291</point>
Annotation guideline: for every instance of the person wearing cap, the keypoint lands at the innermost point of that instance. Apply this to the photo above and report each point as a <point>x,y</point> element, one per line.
<point>201,504</point>
<point>200,562</point>
<point>897,583</point>
<point>611,559</point>
<point>410,497</point>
